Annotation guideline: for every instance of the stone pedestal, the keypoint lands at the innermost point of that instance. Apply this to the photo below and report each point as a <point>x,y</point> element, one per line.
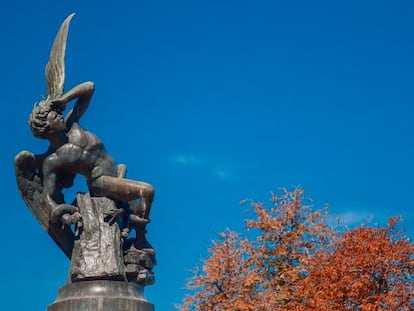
<point>101,295</point>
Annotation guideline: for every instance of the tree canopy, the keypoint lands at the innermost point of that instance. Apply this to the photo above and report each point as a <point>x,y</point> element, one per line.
<point>290,258</point>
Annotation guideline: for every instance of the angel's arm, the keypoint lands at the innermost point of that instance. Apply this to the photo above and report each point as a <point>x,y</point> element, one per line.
<point>50,180</point>
<point>83,93</point>
<point>54,178</point>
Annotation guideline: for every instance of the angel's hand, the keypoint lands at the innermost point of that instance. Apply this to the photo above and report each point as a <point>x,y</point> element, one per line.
<point>71,219</point>
<point>63,209</point>
<point>60,102</point>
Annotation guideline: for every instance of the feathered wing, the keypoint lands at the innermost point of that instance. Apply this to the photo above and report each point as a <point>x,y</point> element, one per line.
<point>29,181</point>
<point>55,68</point>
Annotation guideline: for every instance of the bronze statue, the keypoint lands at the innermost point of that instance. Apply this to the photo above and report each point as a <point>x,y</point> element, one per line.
<point>120,204</point>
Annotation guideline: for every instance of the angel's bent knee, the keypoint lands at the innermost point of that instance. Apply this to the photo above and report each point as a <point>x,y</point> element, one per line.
<point>148,190</point>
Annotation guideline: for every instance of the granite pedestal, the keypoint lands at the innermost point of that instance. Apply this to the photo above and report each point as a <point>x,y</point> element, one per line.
<point>101,295</point>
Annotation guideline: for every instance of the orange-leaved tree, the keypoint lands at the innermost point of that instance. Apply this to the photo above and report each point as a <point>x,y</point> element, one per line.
<point>260,272</point>
<point>290,259</point>
<point>369,269</point>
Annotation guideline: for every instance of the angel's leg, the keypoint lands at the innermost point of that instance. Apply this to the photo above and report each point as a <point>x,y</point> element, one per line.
<point>123,189</point>
<point>127,190</point>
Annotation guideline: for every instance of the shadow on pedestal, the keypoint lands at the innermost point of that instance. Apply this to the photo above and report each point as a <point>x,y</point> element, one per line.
<point>101,295</point>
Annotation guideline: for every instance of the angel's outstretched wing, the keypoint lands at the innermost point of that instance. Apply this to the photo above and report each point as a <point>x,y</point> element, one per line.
<point>55,68</point>
<point>29,181</point>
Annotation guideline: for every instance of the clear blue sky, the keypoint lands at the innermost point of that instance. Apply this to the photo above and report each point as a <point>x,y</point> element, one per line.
<point>213,102</point>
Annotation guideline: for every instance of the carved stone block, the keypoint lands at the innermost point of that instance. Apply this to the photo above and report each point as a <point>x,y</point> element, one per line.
<point>97,253</point>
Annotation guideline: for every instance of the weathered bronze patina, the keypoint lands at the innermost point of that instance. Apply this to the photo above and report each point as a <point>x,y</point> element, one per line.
<point>95,229</point>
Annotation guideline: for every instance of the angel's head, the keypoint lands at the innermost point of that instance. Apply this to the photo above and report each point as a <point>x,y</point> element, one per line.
<point>46,119</point>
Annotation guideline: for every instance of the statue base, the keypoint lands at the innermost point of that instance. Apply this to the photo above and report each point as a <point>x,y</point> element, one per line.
<point>101,295</point>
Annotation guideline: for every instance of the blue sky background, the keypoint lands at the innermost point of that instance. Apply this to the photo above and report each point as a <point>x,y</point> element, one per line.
<point>213,102</point>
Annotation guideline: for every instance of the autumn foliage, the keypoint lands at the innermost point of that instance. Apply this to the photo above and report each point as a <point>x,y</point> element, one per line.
<point>290,258</point>
<point>369,269</point>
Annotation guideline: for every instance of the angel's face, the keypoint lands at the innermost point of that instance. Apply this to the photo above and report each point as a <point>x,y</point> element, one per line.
<point>56,122</point>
